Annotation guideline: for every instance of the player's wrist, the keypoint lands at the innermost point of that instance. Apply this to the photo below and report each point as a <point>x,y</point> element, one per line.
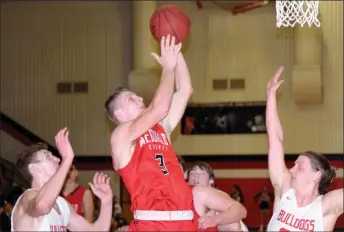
<point>218,219</point>
<point>67,161</point>
<point>168,69</point>
<point>106,202</point>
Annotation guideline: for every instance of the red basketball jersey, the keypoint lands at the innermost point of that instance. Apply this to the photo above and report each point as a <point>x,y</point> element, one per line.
<point>196,217</point>
<point>153,176</point>
<point>75,199</point>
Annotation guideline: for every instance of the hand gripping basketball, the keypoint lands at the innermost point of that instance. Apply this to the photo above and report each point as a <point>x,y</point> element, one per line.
<point>169,52</point>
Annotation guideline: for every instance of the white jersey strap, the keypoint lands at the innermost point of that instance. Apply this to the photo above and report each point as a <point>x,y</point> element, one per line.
<point>15,207</point>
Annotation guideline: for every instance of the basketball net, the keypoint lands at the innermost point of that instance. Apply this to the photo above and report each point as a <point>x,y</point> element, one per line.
<point>290,13</point>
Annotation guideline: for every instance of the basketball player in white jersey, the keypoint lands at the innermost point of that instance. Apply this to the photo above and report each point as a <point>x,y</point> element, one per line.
<point>215,208</point>
<point>302,198</point>
<point>40,208</point>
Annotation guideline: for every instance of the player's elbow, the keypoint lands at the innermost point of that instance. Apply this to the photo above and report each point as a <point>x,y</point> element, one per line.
<point>275,141</point>
<point>188,91</point>
<point>243,212</point>
<point>43,207</point>
<point>191,91</point>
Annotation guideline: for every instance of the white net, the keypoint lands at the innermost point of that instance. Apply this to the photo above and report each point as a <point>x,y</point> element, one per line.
<point>290,13</point>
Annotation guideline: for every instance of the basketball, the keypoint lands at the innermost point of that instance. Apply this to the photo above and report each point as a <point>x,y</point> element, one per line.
<point>170,20</point>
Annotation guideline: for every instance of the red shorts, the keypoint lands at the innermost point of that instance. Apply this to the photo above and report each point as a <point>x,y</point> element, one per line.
<point>141,225</point>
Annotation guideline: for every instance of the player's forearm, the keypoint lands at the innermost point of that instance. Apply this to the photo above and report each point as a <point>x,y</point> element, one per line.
<point>273,123</point>
<point>233,214</point>
<point>164,93</point>
<point>276,162</point>
<point>229,227</point>
<point>48,194</point>
<point>183,78</point>
<point>103,223</point>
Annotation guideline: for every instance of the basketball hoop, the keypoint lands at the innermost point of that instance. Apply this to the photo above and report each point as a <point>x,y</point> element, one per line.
<point>290,13</point>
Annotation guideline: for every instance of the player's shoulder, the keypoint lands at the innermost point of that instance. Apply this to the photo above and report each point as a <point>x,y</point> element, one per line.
<point>87,193</point>
<point>205,191</point>
<point>120,141</point>
<point>26,197</point>
<point>120,132</point>
<point>222,192</point>
<point>200,190</point>
<point>29,194</point>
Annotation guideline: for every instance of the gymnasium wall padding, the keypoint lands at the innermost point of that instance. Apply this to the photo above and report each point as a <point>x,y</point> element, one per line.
<point>307,85</point>
<point>143,79</point>
<point>144,82</point>
<point>44,43</point>
<point>143,41</point>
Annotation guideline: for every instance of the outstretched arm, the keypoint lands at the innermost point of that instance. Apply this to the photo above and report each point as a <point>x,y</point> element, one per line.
<point>38,203</point>
<point>333,202</point>
<point>126,133</point>
<point>180,97</point>
<point>161,102</point>
<point>278,171</point>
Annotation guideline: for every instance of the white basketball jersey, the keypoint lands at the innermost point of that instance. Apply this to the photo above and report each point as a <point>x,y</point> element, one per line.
<point>53,221</point>
<point>289,217</point>
<point>243,227</point>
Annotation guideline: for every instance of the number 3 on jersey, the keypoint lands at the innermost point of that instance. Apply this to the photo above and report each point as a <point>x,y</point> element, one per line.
<point>161,159</point>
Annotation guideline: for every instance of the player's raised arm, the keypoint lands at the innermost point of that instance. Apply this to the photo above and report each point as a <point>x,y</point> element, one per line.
<point>127,109</point>
<point>180,97</point>
<point>161,102</point>
<point>334,202</point>
<point>277,169</point>
<point>39,203</point>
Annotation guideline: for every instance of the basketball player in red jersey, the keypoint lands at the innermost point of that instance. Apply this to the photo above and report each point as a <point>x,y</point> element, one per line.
<point>213,209</point>
<point>40,208</point>
<point>78,196</point>
<point>141,151</point>
<point>216,210</point>
<point>303,201</point>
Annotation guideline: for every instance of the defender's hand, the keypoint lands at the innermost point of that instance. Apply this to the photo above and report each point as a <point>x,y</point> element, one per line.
<point>101,188</point>
<point>206,221</point>
<point>63,144</point>
<point>275,83</point>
